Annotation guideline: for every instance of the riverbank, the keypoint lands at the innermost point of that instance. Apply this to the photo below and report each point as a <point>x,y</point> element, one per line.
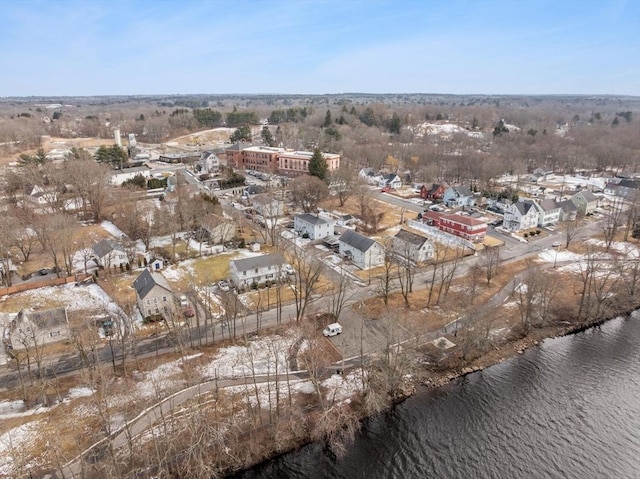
<point>493,357</point>
<point>519,346</point>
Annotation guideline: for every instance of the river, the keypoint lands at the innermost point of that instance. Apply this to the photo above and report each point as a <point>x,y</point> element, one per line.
<point>569,408</point>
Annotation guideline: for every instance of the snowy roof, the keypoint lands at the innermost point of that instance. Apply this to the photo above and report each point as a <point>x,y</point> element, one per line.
<point>147,281</point>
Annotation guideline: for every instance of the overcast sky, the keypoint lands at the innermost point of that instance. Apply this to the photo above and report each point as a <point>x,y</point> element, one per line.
<point>55,47</point>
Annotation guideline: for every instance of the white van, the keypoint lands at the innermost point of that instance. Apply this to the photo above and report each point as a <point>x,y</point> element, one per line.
<point>332,330</point>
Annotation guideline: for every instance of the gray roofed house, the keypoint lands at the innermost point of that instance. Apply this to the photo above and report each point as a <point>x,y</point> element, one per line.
<point>625,187</point>
<point>36,328</point>
<point>521,215</point>
<point>568,210</point>
<point>256,269</point>
<point>109,253</point>
<point>391,180</point>
<point>154,296</point>
<point>361,250</point>
<point>457,196</point>
<point>314,226</point>
<point>585,201</point>
<point>548,212</point>
<point>411,246</point>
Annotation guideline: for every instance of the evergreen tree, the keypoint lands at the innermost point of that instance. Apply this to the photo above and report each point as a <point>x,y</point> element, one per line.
<point>395,124</point>
<point>267,137</point>
<point>327,120</point>
<point>318,165</point>
<point>113,154</point>
<point>242,133</point>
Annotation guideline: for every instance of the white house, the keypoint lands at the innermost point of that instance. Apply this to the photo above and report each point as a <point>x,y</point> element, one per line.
<point>369,175</point>
<point>154,296</point>
<point>362,251</point>
<point>458,196</point>
<point>548,212</point>
<point>315,226</point>
<point>120,176</point>
<point>521,215</point>
<point>391,180</point>
<point>208,163</point>
<point>36,328</point>
<point>109,254</point>
<point>410,246</point>
<point>256,270</point>
<point>267,205</point>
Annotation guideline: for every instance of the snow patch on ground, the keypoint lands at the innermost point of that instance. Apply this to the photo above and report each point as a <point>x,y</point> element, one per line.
<point>627,249</point>
<point>74,298</point>
<point>163,378</point>
<point>112,229</point>
<point>341,388</point>
<point>265,353</point>
<point>80,392</point>
<point>15,443</point>
<point>264,394</point>
<point>443,129</point>
<point>9,409</point>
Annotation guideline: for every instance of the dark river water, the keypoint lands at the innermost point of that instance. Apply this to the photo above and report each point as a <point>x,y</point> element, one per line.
<point>567,409</point>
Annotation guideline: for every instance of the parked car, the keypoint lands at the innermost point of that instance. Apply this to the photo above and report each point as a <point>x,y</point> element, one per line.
<point>556,244</point>
<point>183,301</point>
<point>224,285</point>
<point>43,271</point>
<point>385,189</point>
<point>289,269</point>
<point>189,312</point>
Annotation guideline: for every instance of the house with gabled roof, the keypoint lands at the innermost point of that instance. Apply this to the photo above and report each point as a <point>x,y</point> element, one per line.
<point>217,229</point>
<point>32,329</point>
<point>369,175</point>
<point>548,212</point>
<point>410,246</point>
<point>246,272</point>
<point>521,215</point>
<point>154,296</point>
<point>434,192</point>
<point>458,196</point>
<point>391,180</point>
<point>314,226</point>
<point>585,201</point>
<point>625,187</point>
<point>108,254</point>
<point>568,210</point>
<point>361,250</point>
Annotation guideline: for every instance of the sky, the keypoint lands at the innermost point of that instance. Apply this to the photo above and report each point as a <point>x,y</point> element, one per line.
<point>113,47</point>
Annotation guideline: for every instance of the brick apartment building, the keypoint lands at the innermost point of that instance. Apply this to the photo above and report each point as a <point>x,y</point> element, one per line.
<point>471,229</point>
<point>276,160</point>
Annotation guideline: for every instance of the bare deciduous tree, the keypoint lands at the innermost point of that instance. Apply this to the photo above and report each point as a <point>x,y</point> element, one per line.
<point>308,191</point>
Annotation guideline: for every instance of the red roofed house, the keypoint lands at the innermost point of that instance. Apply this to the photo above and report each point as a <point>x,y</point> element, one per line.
<point>471,229</point>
